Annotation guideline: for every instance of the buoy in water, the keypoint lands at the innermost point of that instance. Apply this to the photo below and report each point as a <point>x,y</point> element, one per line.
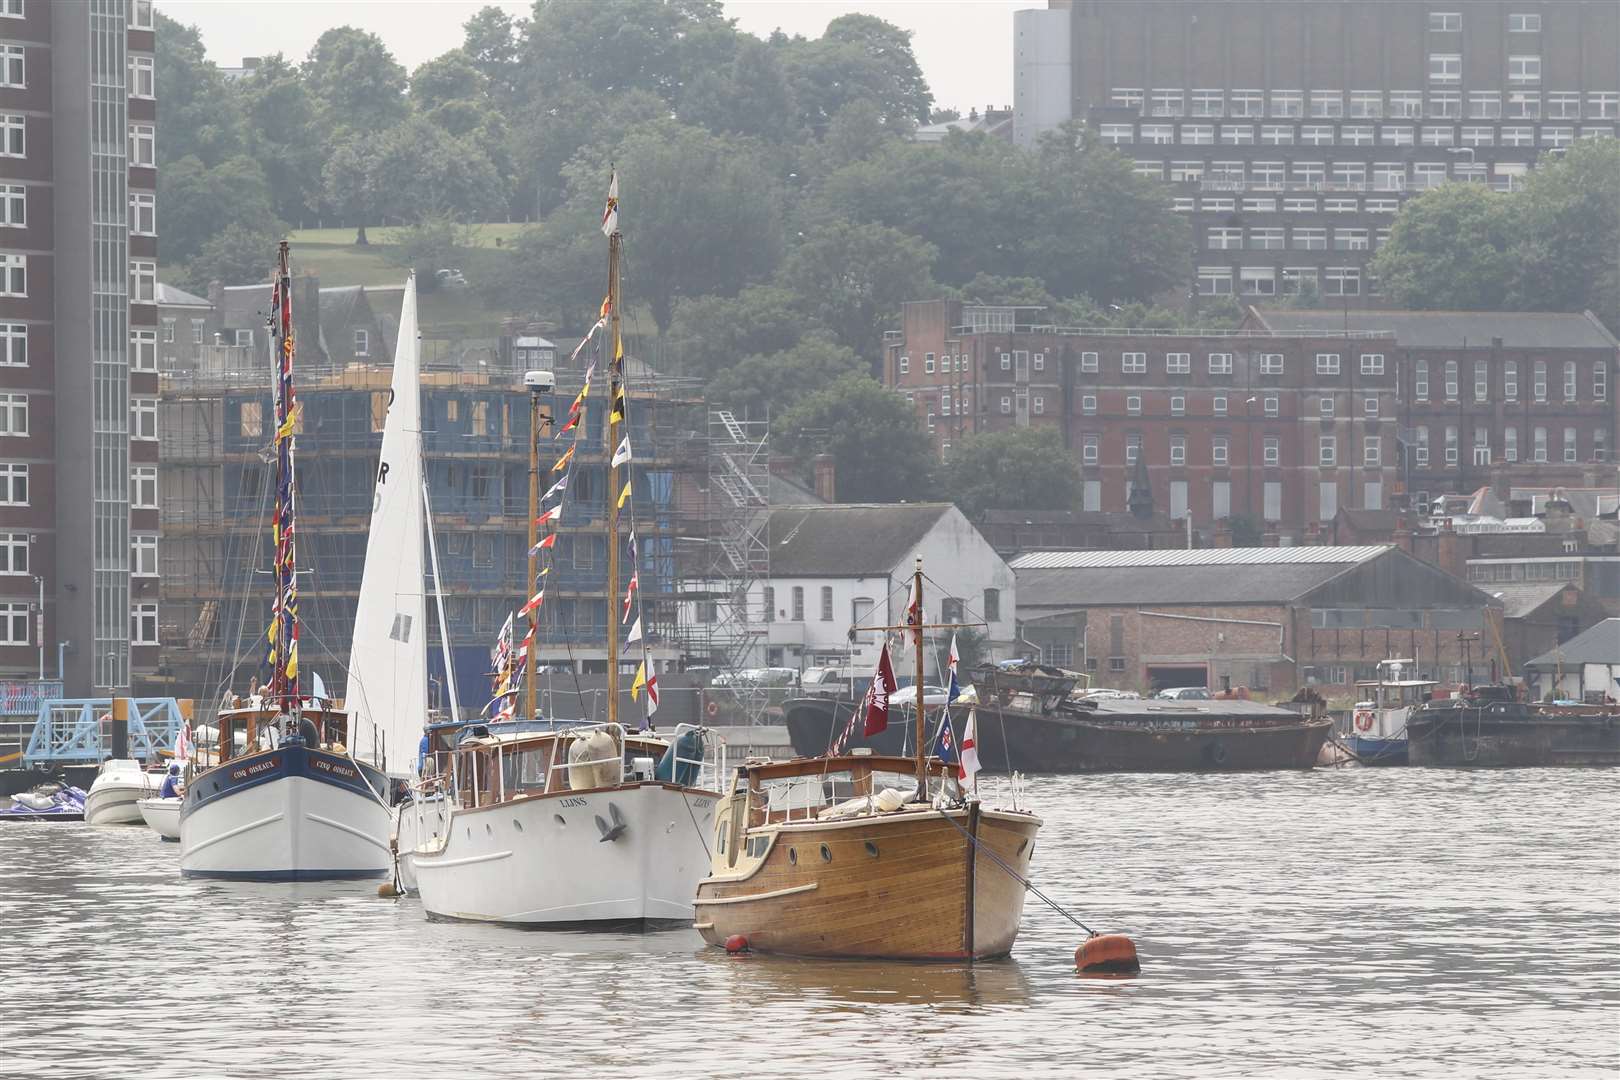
<point>736,943</point>
<point>1107,954</point>
<point>387,890</point>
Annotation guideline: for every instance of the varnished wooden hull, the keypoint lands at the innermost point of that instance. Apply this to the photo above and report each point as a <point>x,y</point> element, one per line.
<point>925,894</point>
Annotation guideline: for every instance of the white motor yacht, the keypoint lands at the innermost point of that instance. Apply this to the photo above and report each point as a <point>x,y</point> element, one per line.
<point>119,785</point>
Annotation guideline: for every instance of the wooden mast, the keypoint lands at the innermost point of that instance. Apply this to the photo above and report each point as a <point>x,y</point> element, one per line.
<point>534,556</point>
<point>615,381</point>
<point>922,750</point>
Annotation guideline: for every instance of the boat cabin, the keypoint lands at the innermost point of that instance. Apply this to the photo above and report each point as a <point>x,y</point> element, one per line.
<point>487,768</point>
<point>1402,694</point>
<point>257,726</point>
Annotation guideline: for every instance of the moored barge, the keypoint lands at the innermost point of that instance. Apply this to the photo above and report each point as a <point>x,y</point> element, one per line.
<point>1488,727</point>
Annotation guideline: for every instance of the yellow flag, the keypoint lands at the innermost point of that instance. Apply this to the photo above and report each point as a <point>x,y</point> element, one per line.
<point>292,661</point>
<point>287,426</point>
<point>624,495</point>
<point>641,681</point>
<point>564,459</point>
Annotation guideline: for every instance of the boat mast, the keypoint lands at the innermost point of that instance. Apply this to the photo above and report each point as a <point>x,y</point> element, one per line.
<point>284,624</point>
<point>534,555</point>
<point>615,381</point>
<point>922,751</point>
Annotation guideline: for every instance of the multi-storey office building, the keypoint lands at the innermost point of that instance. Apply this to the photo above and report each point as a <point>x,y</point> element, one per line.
<point>1480,392</point>
<point>1292,129</point>
<point>78,324</point>
<point>1280,428</point>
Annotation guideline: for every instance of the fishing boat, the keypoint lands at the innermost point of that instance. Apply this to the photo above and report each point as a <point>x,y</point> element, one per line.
<point>118,786</point>
<point>285,798</point>
<point>1031,722</point>
<point>534,822</point>
<point>1491,727</point>
<point>1377,733</point>
<point>864,854</point>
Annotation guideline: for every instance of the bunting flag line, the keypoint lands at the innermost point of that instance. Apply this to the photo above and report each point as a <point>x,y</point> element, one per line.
<point>652,697</point>
<point>641,681</point>
<point>635,633</point>
<point>629,595</point>
<point>624,494</point>
<point>573,422</point>
<point>953,688</point>
<point>586,340</point>
<point>554,514</point>
<point>622,454</point>
<point>610,213</point>
<point>568,456</point>
<point>534,601</point>
<point>561,485</point>
<point>617,415</point>
<point>549,540</point>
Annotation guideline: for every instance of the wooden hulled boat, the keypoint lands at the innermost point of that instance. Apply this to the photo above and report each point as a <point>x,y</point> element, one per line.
<point>862,855</point>
<point>821,857</point>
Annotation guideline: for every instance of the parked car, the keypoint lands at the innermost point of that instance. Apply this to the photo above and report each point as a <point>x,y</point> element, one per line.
<point>1103,693</point>
<point>826,682</point>
<point>450,278</point>
<point>907,695</point>
<point>1184,693</point>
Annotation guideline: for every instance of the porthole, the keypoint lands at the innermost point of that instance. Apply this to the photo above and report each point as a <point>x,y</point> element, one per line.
<point>793,856</point>
<point>1022,845</point>
<point>871,849</point>
<point>516,824</point>
<point>559,819</point>
<point>826,853</point>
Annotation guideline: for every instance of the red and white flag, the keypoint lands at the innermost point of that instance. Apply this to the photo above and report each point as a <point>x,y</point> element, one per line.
<point>182,743</point>
<point>878,694</point>
<point>968,769</point>
<point>914,611</point>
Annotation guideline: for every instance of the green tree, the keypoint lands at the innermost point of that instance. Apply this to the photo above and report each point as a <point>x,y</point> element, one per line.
<point>201,116</point>
<point>356,81</point>
<point>611,46</point>
<point>449,78</point>
<point>710,334</point>
<point>857,58</point>
<point>699,213</point>
<point>759,385</point>
<point>548,136</point>
<point>880,452</point>
<point>428,245</point>
<point>350,182</point>
<point>199,202</point>
<point>283,135</point>
<point>491,43</point>
<point>1449,248</point>
<point>1566,254</point>
<point>235,255</point>
<point>853,279</point>
<point>750,96</point>
<point>422,170</point>
<point>1021,469</point>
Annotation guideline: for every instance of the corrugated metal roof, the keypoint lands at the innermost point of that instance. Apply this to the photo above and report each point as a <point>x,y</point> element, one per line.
<point>1599,645</point>
<point>1521,599</point>
<point>1258,556</point>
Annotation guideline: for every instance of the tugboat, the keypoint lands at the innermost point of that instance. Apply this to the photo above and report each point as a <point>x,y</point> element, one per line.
<point>1378,722</point>
<point>1491,727</point>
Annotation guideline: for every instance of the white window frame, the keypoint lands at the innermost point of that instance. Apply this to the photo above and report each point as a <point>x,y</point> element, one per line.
<point>1220,450</point>
<point>143,414</point>
<point>1220,363</point>
<point>13,344</point>
<point>1088,361</point>
<point>1270,405</point>
<point>1327,451</point>
<point>143,487</point>
<point>143,554</point>
<point>142,213</point>
<point>362,344</point>
<point>13,135</point>
<point>1524,23</point>
<point>1178,405</point>
<point>904,365</point>
<point>1133,405</point>
<point>143,145</point>
<point>1090,449</point>
<point>1524,69</point>
<point>15,622</point>
<point>142,77</point>
<point>1088,404</point>
<point>142,281</point>
<point>1271,450</point>
<point>1445,21</point>
<point>1327,363</point>
<point>1178,363</point>
<point>13,67</point>
<point>15,554</point>
<point>13,274</point>
<point>1178,449</point>
<point>1217,405</point>
<point>14,415</point>
<point>143,624</point>
<point>1271,363</point>
<point>143,350</point>
<point>1600,380</point>
<point>1372,450</point>
<point>13,206</point>
<point>1133,363</point>
<point>14,481</point>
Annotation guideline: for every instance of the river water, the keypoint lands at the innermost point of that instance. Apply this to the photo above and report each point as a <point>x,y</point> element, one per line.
<point>1358,922</point>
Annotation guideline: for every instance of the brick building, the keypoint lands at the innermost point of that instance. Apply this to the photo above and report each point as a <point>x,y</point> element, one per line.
<point>1284,429</point>
<point>1478,392</point>
<point>1290,130</point>
<point>1271,619</point>
<point>78,335</point>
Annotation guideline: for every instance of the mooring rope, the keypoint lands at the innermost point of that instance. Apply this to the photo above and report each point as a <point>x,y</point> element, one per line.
<point>997,859</point>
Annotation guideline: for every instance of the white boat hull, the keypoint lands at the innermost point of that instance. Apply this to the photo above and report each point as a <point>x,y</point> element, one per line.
<point>114,802</point>
<point>162,816</point>
<point>543,860</point>
<point>416,824</point>
<point>289,814</point>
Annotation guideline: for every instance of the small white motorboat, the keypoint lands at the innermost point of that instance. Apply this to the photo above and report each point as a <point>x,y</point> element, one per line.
<point>163,815</point>
<point>118,787</point>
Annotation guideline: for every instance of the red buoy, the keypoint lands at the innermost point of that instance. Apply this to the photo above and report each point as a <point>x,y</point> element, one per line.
<point>1106,954</point>
<point>736,943</point>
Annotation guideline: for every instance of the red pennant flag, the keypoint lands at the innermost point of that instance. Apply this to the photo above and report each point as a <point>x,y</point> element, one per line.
<point>877,695</point>
<point>534,601</point>
<point>549,541</point>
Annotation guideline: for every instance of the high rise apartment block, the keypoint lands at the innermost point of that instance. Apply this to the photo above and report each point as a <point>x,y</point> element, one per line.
<point>1291,130</point>
<point>78,342</point>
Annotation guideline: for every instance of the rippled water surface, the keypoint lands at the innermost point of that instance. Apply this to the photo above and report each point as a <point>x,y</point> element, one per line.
<point>1401,922</point>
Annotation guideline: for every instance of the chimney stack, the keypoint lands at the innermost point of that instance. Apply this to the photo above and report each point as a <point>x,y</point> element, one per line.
<point>826,477</point>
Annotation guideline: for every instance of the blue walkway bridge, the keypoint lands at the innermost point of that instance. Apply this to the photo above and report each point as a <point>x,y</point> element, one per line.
<point>79,730</point>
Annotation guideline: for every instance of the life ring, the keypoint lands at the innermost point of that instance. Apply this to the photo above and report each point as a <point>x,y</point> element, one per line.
<point>1364,720</point>
<point>712,709</point>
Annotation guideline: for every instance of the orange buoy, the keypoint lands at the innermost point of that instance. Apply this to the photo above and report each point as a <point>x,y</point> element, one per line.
<point>736,943</point>
<point>1107,954</point>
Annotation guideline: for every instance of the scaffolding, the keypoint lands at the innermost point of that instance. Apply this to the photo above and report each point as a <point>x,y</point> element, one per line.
<point>214,476</point>
<point>724,629</point>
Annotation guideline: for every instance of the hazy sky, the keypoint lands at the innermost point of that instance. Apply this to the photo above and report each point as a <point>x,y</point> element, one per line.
<point>964,46</point>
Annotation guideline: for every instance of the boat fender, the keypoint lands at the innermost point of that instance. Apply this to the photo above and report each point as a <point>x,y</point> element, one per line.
<point>1215,753</point>
<point>1107,954</point>
<point>736,944</point>
<point>1364,720</point>
<point>387,890</point>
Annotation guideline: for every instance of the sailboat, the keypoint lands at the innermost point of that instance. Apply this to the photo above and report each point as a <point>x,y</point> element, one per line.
<point>285,799</point>
<point>865,855</point>
<point>583,824</point>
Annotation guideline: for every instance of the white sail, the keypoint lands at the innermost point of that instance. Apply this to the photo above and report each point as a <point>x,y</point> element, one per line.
<point>387,694</point>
